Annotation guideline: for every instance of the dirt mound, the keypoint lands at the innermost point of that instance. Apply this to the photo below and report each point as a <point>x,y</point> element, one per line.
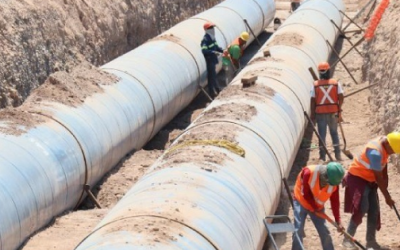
<point>382,67</point>
<point>41,37</point>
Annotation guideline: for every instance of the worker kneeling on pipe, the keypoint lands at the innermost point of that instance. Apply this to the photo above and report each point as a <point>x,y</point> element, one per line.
<point>316,184</point>
<point>366,174</point>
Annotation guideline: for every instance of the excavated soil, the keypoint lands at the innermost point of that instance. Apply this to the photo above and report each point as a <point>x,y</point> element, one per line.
<point>39,38</point>
<point>366,114</point>
<point>72,88</point>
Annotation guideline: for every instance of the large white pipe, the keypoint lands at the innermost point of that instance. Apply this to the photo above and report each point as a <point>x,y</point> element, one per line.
<point>204,196</point>
<point>44,168</point>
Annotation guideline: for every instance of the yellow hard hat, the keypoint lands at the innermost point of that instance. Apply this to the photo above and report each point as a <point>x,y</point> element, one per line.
<point>394,141</point>
<point>244,36</point>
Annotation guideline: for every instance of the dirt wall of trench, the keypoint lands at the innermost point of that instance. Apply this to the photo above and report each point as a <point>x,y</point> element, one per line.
<point>381,66</point>
<point>38,38</point>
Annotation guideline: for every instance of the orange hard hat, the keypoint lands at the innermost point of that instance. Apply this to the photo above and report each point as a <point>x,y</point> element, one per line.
<point>208,25</point>
<point>324,66</point>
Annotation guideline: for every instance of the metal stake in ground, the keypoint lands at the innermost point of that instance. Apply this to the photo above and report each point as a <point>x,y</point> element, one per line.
<point>255,37</point>
<point>319,137</point>
<point>397,212</point>
<point>345,37</point>
<point>344,65</point>
<point>91,196</point>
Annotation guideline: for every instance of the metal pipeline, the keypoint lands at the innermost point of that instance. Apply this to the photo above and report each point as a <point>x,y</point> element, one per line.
<point>203,194</point>
<point>44,169</point>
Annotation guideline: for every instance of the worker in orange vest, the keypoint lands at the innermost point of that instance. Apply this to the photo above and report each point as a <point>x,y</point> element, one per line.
<point>366,174</point>
<point>233,54</point>
<point>315,185</point>
<point>326,106</point>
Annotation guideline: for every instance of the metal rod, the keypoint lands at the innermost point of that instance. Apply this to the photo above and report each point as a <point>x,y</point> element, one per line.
<point>345,37</point>
<point>288,191</point>
<point>359,90</point>
<point>397,212</point>
<point>319,137</point>
<point>206,94</point>
<point>312,72</point>
<point>91,196</point>
<point>344,65</point>
<point>251,30</point>
<point>351,20</point>
<point>359,12</point>
<point>348,51</point>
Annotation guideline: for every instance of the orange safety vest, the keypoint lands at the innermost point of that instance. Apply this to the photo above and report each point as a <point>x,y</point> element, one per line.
<point>326,96</point>
<point>235,42</point>
<point>361,165</point>
<point>320,195</point>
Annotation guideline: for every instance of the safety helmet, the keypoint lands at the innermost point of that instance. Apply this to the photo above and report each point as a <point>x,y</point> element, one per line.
<point>244,36</point>
<point>335,173</point>
<point>208,25</point>
<point>394,141</point>
<point>323,67</point>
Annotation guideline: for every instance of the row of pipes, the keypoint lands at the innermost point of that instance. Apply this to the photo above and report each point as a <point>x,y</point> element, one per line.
<point>202,193</point>
<point>44,168</point>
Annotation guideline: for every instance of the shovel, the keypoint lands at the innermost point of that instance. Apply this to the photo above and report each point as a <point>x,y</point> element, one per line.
<point>344,150</point>
<point>326,217</point>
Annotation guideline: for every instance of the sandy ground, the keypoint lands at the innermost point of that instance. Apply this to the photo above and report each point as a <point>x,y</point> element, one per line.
<point>68,230</point>
<point>359,126</point>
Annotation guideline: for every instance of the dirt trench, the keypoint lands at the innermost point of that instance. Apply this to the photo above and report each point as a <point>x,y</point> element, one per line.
<point>367,114</point>
<point>39,38</point>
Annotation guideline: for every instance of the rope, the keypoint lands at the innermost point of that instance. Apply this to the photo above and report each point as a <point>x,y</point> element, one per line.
<point>233,147</point>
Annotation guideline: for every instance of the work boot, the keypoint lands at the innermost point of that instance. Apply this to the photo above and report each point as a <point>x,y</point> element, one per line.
<point>348,244</point>
<point>338,157</point>
<point>374,245</point>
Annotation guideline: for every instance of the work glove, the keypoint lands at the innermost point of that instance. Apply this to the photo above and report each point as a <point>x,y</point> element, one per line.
<point>217,53</point>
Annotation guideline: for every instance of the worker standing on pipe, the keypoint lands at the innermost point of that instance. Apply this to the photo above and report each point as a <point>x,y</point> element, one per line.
<point>316,184</point>
<point>210,49</point>
<point>232,55</point>
<point>366,174</point>
<point>326,104</point>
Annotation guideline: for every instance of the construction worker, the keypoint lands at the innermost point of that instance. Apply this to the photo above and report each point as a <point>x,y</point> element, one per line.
<point>316,184</point>
<point>232,55</point>
<point>366,174</point>
<point>210,51</point>
<point>326,105</point>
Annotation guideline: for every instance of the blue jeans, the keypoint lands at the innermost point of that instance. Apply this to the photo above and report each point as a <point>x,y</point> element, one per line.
<point>323,121</point>
<point>300,214</point>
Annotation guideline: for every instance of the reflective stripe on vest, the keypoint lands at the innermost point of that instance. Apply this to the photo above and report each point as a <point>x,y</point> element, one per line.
<point>314,182</point>
<point>210,46</point>
<point>320,195</point>
<point>326,96</point>
<point>361,166</point>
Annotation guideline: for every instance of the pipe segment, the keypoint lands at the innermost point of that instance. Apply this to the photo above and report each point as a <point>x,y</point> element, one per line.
<point>215,194</point>
<point>45,168</point>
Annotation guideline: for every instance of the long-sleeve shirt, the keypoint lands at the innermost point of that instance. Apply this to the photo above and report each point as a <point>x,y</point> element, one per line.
<point>335,202</point>
<point>208,47</point>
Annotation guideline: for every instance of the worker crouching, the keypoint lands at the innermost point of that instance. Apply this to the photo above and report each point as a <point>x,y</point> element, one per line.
<point>366,174</point>
<point>315,185</point>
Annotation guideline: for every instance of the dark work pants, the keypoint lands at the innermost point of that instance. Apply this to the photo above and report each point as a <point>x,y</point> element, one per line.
<point>212,78</point>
